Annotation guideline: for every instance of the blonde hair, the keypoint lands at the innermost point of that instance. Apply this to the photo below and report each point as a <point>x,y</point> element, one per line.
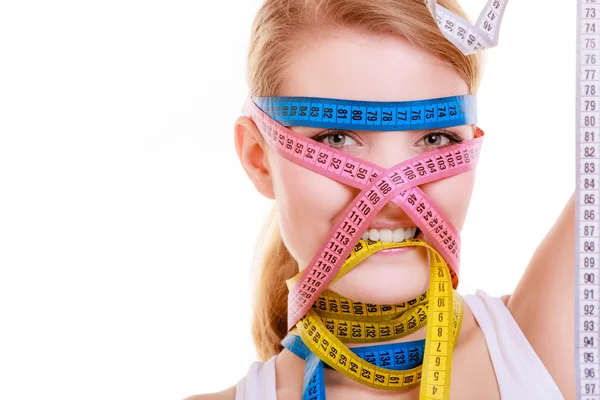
<point>277,26</point>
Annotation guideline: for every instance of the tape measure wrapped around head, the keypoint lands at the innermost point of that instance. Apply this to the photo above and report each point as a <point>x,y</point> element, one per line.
<point>398,183</point>
<point>324,335</point>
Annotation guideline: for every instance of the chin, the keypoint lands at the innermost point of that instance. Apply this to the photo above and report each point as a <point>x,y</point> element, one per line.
<point>380,281</point>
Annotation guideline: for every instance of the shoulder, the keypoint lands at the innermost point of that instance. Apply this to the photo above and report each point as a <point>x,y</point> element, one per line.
<point>470,331</point>
<point>227,394</point>
<point>544,299</point>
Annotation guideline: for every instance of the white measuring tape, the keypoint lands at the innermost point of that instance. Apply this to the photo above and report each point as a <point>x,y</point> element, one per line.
<point>587,284</point>
<point>469,38</point>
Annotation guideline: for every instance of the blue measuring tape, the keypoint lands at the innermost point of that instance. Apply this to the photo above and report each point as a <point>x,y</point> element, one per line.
<point>396,356</point>
<point>321,112</point>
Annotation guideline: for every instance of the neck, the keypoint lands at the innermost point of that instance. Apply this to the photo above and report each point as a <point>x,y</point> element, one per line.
<point>290,368</point>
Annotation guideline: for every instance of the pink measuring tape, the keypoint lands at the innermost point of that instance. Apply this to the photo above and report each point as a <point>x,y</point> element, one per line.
<point>398,184</point>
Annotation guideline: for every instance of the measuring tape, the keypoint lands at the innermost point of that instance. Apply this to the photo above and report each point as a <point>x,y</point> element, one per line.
<point>466,37</point>
<point>399,184</point>
<point>397,356</point>
<point>372,115</point>
<point>587,291</point>
<point>329,324</point>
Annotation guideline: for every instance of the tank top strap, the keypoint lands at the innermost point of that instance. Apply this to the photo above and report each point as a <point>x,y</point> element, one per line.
<point>519,371</point>
<point>259,383</point>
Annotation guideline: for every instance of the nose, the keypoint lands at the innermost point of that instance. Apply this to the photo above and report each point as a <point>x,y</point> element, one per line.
<point>386,149</point>
<point>391,148</point>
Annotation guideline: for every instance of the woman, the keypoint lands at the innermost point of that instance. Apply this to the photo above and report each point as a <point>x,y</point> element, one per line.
<point>386,51</point>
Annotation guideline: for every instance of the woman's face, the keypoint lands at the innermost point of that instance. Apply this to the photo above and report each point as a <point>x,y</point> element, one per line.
<point>354,65</point>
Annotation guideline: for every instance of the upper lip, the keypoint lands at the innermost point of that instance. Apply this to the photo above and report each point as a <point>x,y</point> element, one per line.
<point>389,225</point>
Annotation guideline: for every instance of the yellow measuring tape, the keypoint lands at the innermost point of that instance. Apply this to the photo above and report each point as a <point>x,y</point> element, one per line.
<point>334,320</point>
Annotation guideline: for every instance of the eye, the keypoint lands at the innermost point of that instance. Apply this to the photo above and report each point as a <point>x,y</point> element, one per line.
<point>439,139</point>
<point>336,139</point>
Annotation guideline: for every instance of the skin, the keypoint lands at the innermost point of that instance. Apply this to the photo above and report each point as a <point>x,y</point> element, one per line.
<point>388,68</point>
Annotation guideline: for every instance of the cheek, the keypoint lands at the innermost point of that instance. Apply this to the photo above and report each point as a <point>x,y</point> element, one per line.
<point>308,205</point>
<point>452,195</point>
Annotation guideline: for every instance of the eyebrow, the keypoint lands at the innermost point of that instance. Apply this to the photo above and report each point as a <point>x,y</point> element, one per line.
<point>308,130</point>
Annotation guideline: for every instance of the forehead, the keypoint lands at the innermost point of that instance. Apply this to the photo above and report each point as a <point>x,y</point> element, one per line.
<point>354,65</point>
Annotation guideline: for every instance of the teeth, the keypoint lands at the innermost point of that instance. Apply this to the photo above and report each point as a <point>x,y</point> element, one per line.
<point>387,235</point>
<point>374,234</point>
<point>399,235</point>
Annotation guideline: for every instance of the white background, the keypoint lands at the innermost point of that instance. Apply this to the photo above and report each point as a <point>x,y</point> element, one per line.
<point>122,273</point>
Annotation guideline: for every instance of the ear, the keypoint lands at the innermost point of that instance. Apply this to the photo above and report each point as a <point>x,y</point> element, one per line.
<point>250,147</point>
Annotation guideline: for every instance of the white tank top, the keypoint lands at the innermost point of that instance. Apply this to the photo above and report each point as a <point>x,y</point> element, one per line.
<point>519,371</point>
